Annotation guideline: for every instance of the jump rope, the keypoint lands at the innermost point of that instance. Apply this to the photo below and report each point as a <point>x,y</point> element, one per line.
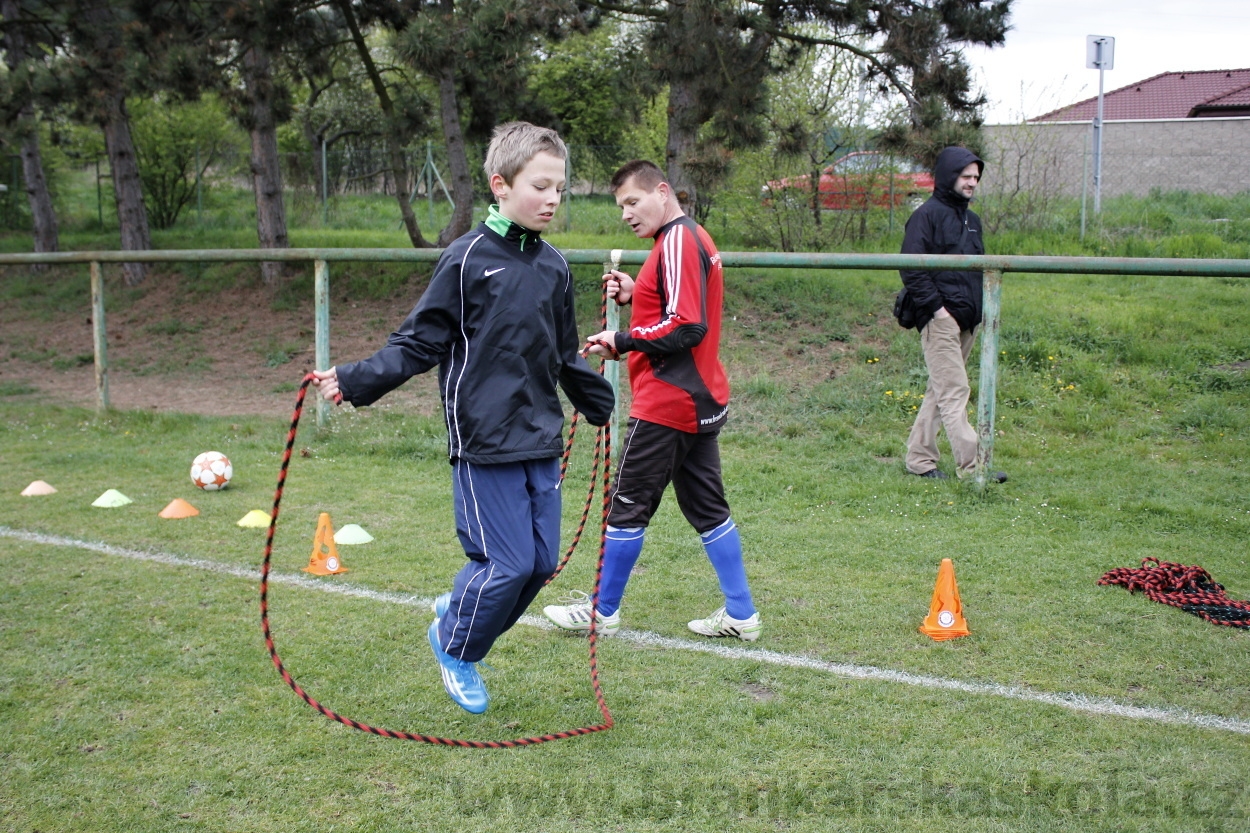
<point>602,456</point>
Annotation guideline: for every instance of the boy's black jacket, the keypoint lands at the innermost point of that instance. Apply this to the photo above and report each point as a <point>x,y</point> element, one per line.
<point>498,319</point>
<point>945,225</point>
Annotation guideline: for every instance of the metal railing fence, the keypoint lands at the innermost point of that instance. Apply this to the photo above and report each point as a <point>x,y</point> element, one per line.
<point>993,266</point>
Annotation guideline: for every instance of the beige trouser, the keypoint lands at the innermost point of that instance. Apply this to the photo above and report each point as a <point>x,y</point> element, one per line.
<point>945,404</point>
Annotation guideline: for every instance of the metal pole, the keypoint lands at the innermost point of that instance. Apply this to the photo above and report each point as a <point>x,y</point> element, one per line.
<point>1098,133</point>
<point>612,370</point>
<point>321,338</point>
<point>325,188</point>
<point>1084,182</point>
<point>100,336</point>
<point>987,391</point>
<point>99,196</point>
<point>568,191</point>
<point>428,174</point>
<point>199,196</point>
<point>890,170</point>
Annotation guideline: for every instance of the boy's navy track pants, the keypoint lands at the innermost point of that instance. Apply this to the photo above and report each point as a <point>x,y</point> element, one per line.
<point>508,520</point>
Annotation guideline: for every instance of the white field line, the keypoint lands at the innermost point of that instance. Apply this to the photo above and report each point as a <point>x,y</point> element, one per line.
<point>1073,702</point>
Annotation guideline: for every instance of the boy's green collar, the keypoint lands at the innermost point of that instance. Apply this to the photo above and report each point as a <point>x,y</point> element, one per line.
<point>508,230</point>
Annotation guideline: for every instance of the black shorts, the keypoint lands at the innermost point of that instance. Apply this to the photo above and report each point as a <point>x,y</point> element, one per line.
<point>655,455</point>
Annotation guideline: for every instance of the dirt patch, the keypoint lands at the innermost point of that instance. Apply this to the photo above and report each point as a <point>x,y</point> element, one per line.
<point>243,351</point>
<point>232,354</point>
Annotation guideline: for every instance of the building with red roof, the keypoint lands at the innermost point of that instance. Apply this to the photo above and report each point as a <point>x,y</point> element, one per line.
<point>1168,95</point>
<point>1175,131</point>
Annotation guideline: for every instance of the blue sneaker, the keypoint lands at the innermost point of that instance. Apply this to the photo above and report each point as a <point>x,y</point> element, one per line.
<point>441,604</point>
<point>460,678</point>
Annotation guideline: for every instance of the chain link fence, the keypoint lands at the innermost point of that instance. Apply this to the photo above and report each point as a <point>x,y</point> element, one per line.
<point>212,187</point>
<point>1039,173</point>
<point>1039,177</point>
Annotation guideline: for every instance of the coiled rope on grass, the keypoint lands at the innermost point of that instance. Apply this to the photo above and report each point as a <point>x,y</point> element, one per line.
<point>1188,587</point>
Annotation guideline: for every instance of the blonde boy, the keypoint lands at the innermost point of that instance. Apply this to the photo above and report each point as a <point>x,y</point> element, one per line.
<point>498,320</point>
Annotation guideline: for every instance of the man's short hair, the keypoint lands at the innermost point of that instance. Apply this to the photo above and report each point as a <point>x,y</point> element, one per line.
<point>514,144</point>
<point>647,175</point>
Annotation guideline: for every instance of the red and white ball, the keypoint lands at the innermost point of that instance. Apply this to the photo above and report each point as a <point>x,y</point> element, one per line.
<point>211,471</point>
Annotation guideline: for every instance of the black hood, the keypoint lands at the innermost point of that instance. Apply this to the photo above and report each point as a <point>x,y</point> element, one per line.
<point>950,163</point>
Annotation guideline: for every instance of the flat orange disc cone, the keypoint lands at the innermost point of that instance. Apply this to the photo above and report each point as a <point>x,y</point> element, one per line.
<point>179,508</point>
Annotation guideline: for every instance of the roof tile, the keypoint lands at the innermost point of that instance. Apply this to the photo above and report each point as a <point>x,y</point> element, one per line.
<point>1168,95</point>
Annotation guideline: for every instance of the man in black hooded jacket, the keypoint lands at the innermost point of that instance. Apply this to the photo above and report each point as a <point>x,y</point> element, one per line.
<point>947,309</point>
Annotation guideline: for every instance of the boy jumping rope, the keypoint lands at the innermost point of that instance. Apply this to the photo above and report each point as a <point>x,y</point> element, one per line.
<point>497,318</point>
<point>680,400</point>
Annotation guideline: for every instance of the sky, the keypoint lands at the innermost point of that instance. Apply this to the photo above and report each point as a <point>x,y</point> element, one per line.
<point>1042,65</point>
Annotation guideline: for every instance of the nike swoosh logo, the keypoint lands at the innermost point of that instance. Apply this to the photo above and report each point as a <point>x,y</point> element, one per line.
<point>490,272</point>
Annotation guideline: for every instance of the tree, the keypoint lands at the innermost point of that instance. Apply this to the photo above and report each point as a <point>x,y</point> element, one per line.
<point>176,144</point>
<point>819,110</point>
<point>234,47</point>
<point>479,53</point>
<point>21,44</point>
<point>395,125</point>
<point>595,86</point>
<point>339,107</point>
<point>715,53</point>
<point>96,74</point>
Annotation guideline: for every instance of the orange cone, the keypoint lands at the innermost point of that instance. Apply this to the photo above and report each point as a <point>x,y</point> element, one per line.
<point>946,614</point>
<point>324,560</point>
<point>179,508</point>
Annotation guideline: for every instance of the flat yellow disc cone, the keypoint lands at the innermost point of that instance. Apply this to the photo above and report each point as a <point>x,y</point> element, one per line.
<point>111,500</point>
<point>256,519</point>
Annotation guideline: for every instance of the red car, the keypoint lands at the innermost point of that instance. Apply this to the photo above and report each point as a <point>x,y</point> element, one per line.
<point>858,181</point>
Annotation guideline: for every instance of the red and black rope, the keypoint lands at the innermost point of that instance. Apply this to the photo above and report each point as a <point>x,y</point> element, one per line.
<point>605,442</point>
<point>1190,588</point>
<point>594,469</point>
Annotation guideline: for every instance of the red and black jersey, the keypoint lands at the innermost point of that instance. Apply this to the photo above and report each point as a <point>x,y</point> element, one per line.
<point>674,336</point>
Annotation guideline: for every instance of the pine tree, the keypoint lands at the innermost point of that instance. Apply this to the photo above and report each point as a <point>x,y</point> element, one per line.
<point>96,73</point>
<point>23,40</point>
<point>715,54</point>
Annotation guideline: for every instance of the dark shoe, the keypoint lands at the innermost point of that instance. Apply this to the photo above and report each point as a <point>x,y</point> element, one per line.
<point>999,476</point>
<point>935,474</point>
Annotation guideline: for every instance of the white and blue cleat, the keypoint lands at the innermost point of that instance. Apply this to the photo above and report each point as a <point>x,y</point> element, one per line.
<point>464,685</point>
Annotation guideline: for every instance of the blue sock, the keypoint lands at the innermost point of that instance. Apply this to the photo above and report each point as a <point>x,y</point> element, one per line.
<point>724,550</point>
<point>619,557</point>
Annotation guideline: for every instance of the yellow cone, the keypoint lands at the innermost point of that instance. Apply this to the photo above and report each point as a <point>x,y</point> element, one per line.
<point>111,499</point>
<point>38,488</point>
<point>256,519</point>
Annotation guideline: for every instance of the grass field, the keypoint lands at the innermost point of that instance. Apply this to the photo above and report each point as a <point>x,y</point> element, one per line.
<point>136,694</point>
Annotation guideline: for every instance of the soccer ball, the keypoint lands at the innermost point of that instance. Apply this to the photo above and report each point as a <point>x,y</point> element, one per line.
<point>211,471</point>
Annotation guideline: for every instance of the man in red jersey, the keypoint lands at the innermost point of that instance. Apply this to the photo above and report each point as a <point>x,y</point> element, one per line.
<point>680,400</point>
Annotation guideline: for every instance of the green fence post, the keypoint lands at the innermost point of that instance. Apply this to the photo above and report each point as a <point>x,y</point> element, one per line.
<point>321,337</point>
<point>100,337</point>
<point>988,391</point>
